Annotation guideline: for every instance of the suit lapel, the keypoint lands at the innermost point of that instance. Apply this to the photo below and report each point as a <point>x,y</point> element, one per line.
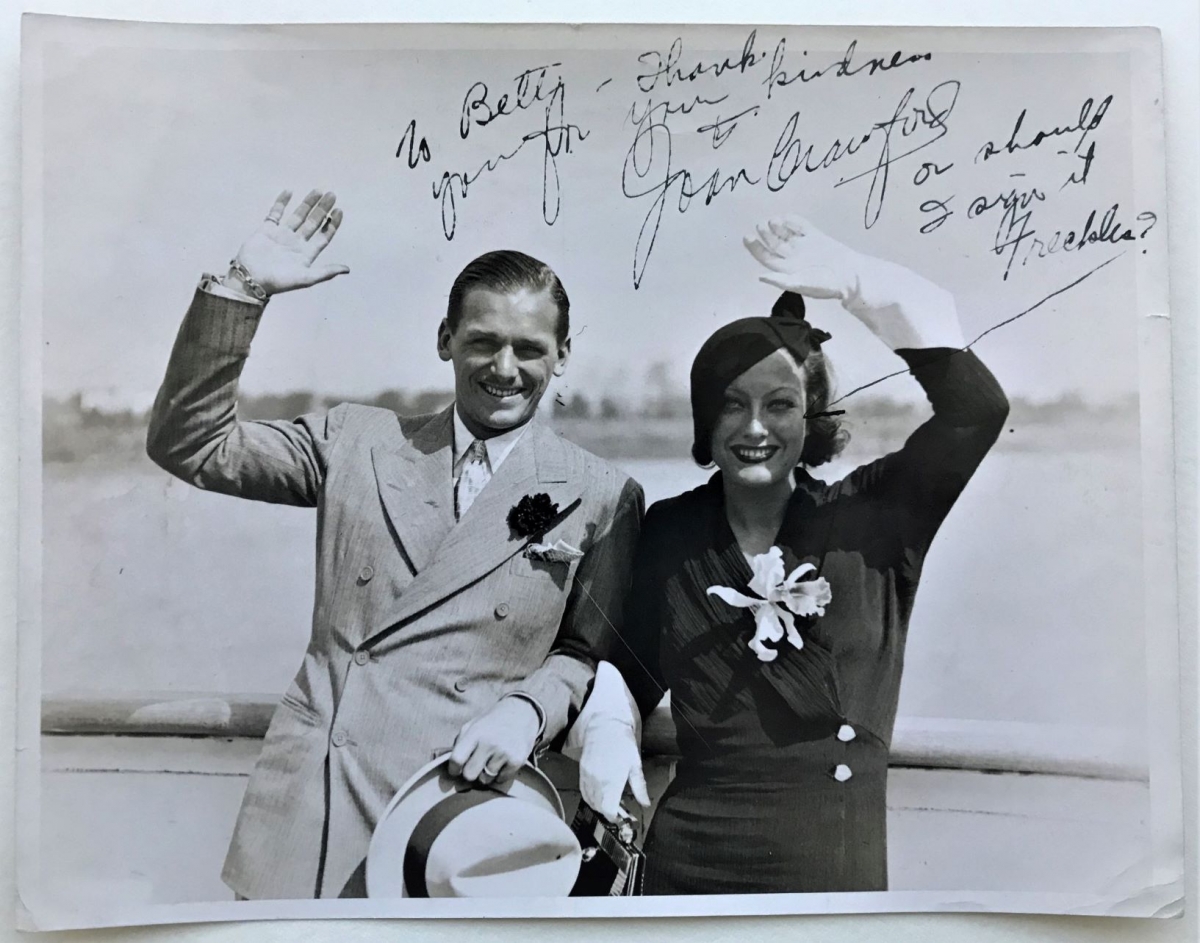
<point>415,480</point>
<point>482,540</point>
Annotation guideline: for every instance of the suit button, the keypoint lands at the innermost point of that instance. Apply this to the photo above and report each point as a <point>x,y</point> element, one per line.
<point>460,685</point>
<point>365,574</point>
<point>502,610</point>
<point>846,733</point>
<point>339,738</point>
<point>842,772</point>
<point>361,657</point>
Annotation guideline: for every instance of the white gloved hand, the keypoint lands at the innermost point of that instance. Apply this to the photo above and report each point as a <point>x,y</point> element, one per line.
<point>899,307</point>
<point>606,739</point>
<point>611,759</point>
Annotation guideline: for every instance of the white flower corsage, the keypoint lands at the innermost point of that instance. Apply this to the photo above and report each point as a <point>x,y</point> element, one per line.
<point>779,600</point>
<point>558,552</point>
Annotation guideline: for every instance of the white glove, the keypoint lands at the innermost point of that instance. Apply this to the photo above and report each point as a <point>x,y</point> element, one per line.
<point>611,759</point>
<point>899,307</point>
<point>606,739</point>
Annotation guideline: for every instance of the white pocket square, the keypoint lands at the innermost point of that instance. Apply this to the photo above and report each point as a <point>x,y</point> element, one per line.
<point>558,552</point>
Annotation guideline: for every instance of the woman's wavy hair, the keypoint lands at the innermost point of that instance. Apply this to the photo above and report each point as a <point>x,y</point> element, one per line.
<point>824,436</point>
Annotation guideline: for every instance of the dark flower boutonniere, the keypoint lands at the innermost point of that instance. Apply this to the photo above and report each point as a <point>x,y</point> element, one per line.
<point>531,516</point>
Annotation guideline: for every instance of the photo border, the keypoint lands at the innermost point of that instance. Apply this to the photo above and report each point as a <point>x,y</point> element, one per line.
<point>1162,623</point>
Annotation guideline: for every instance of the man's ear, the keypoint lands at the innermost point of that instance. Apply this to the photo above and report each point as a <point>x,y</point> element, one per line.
<point>564,354</point>
<point>443,340</point>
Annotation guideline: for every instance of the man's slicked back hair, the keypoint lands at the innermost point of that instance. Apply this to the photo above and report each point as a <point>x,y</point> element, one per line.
<point>506,271</point>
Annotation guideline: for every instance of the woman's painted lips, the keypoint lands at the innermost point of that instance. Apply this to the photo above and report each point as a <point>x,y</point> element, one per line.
<point>754,455</point>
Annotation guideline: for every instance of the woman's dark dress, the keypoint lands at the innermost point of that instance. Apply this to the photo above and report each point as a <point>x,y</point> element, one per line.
<point>755,806</point>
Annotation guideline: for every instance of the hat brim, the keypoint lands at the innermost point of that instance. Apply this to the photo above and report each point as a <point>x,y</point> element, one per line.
<point>426,788</point>
<point>504,847</point>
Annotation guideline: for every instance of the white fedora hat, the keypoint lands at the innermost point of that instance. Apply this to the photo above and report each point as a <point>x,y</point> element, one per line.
<point>440,837</point>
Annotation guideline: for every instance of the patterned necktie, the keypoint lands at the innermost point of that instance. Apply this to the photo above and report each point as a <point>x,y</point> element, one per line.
<point>473,475</point>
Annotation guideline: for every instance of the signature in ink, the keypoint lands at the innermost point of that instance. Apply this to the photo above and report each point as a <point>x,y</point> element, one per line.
<point>791,155</point>
<point>648,171</point>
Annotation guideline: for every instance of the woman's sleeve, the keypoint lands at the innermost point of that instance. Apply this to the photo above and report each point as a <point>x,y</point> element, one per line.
<point>635,652</point>
<point>922,480</point>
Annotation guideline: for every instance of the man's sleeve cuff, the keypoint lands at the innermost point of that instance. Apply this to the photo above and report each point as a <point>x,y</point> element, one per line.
<point>540,713</point>
<point>220,322</point>
<point>212,285</point>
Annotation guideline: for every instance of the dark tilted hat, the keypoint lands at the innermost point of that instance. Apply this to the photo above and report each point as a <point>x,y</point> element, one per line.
<point>737,347</point>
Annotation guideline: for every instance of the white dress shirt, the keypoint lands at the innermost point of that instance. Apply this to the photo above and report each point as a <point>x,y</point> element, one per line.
<point>497,447</point>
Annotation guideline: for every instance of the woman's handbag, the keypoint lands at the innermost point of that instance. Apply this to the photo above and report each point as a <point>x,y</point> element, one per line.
<point>612,866</point>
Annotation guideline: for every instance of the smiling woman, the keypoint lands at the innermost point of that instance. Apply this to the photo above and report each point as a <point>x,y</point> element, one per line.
<point>775,607</point>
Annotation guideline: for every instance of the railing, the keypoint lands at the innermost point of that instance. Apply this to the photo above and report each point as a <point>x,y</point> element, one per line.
<point>986,746</point>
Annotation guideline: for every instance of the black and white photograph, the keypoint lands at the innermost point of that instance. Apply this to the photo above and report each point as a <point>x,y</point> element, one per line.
<point>503,471</point>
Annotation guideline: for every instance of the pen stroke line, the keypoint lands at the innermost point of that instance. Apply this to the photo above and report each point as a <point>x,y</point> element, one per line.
<point>1033,307</point>
<point>1038,304</point>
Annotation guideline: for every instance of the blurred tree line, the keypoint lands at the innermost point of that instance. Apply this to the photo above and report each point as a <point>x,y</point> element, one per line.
<point>614,419</point>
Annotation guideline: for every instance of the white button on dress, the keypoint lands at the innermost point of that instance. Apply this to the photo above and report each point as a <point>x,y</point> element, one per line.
<point>846,733</point>
<point>842,772</point>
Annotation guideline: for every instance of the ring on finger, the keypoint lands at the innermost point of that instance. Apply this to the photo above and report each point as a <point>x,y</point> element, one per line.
<point>490,773</point>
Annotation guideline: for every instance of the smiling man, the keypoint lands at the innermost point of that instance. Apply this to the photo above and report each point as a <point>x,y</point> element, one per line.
<point>439,624</point>
<point>505,332</point>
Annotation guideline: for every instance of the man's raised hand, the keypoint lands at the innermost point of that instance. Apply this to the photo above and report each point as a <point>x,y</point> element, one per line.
<point>281,255</point>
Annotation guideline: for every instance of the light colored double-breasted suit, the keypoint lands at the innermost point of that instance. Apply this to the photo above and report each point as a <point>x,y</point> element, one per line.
<point>420,623</point>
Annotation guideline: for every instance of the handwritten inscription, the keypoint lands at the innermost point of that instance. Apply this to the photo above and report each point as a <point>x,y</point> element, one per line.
<point>665,67</point>
<point>415,153</point>
<point>540,90</point>
<point>1019,236</point>
<point>701,127</point>
<point>480,109</point>
<point>1090,117</point>
<point>1016,237</point>
<point>779,77</point>
<point>648,172</point>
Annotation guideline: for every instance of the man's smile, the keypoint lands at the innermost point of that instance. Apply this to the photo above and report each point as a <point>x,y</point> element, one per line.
<point>501,392</point>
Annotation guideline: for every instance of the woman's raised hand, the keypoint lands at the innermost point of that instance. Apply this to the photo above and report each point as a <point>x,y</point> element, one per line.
<point>281,254</point>
<point>900,307</point>
<point>804,260</point>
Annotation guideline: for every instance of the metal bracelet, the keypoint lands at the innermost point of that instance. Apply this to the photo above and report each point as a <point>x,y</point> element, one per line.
<point>255,289</point>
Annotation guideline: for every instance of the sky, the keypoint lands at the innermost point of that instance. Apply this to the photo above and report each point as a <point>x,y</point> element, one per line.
<point>160,153</point>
